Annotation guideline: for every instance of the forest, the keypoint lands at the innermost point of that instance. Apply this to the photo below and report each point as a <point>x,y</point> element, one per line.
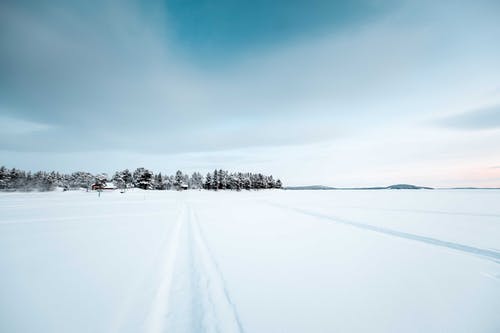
<point>20,180</point>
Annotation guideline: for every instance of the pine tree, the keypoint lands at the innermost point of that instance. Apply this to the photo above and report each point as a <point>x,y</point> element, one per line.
<point>196,180</point>
<point>118,180</point>
<point>143,178</point>
<point>127,178</point>
<point>215,180</point>
<point>4,178</point>
<point>178,180</point>
<point>208,182</point>
<point>159,183</point>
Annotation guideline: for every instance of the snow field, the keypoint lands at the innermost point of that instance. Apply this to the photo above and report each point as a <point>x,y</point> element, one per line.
<point>268,261</point>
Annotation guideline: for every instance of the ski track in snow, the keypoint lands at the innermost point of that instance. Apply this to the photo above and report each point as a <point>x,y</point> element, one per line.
<point>161,303</point>
<point>426,211</point>
<point>192,296</point>
<point>127,305</point>
<point>225,316</point>
<point>481,253</point>
<point>87,218</point>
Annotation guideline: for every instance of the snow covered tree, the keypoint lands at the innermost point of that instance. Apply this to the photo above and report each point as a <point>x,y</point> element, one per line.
<point>118,180</point>
<point>47,182</point>
<point>270,182</point>
<point>127,178</point>
<point>186,180</point>
<point>223,180</point>
<point>159,182</point>
<point>101,179</point>
<point>16,179</point>
<point>215,180</point>
<point>196,181</point>
<point>208,182</point>
<point>234,182</point>
<point>178,180</point>
<point>4,178</point>
<point>169,182</point>
<point>80,179</point>
<point>143,178</point>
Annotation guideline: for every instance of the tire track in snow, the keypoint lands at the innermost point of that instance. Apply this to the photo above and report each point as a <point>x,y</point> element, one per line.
<point>481,253</point>
<point>162,303</point>
<point>220,314</point>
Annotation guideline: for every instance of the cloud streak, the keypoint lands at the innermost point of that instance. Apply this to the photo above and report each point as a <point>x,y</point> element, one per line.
<point>484,118</point>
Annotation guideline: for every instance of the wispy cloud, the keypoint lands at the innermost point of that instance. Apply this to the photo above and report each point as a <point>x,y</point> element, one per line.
<point>484,118</point>
<point>13,126</point>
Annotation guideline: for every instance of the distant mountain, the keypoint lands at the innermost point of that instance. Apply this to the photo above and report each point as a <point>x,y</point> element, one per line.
<point>408,187</point>
<point>391,187</point>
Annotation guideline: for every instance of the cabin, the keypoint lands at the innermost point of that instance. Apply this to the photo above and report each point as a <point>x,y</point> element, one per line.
<point>105,186</point>
<point>183,186</point>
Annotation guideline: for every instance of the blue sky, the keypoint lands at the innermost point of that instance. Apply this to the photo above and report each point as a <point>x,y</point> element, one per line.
<point>344,93</point>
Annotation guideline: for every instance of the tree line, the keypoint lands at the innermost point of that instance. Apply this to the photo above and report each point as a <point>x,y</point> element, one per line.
<point>20,180</point>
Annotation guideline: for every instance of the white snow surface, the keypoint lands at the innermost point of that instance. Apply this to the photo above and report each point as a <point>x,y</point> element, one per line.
<point>265,261</point>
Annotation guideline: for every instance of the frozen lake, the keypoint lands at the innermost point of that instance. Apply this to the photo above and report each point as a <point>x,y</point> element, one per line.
<point>268,261</point>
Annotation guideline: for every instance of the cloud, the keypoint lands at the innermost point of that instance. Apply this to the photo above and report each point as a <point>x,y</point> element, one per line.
<point>480,119</point>
<point>13,126</point>
<point>110,77</point>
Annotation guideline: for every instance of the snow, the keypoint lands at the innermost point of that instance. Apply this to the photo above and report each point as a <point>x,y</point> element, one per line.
<point>259,261</point>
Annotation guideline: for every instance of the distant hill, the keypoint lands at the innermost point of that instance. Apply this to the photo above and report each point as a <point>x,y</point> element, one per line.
<point>408,187</point>
<point>391,187</point>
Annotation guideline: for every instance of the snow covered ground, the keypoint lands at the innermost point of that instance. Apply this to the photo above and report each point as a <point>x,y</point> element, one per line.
<point>268,261</point>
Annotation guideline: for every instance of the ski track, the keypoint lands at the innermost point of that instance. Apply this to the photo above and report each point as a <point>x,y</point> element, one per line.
<point>224,314</point>
<point>192,296</point>
<point>68,219</point>
<point>426,211</point>
<point>120,319</point>
<point>161,302</point>
<point>478,252</point>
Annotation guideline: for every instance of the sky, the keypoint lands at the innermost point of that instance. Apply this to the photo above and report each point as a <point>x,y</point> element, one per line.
<point>339,93</point>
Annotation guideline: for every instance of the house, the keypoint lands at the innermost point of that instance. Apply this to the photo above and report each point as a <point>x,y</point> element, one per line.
<point>183,186</point>
<point>105,186</point>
